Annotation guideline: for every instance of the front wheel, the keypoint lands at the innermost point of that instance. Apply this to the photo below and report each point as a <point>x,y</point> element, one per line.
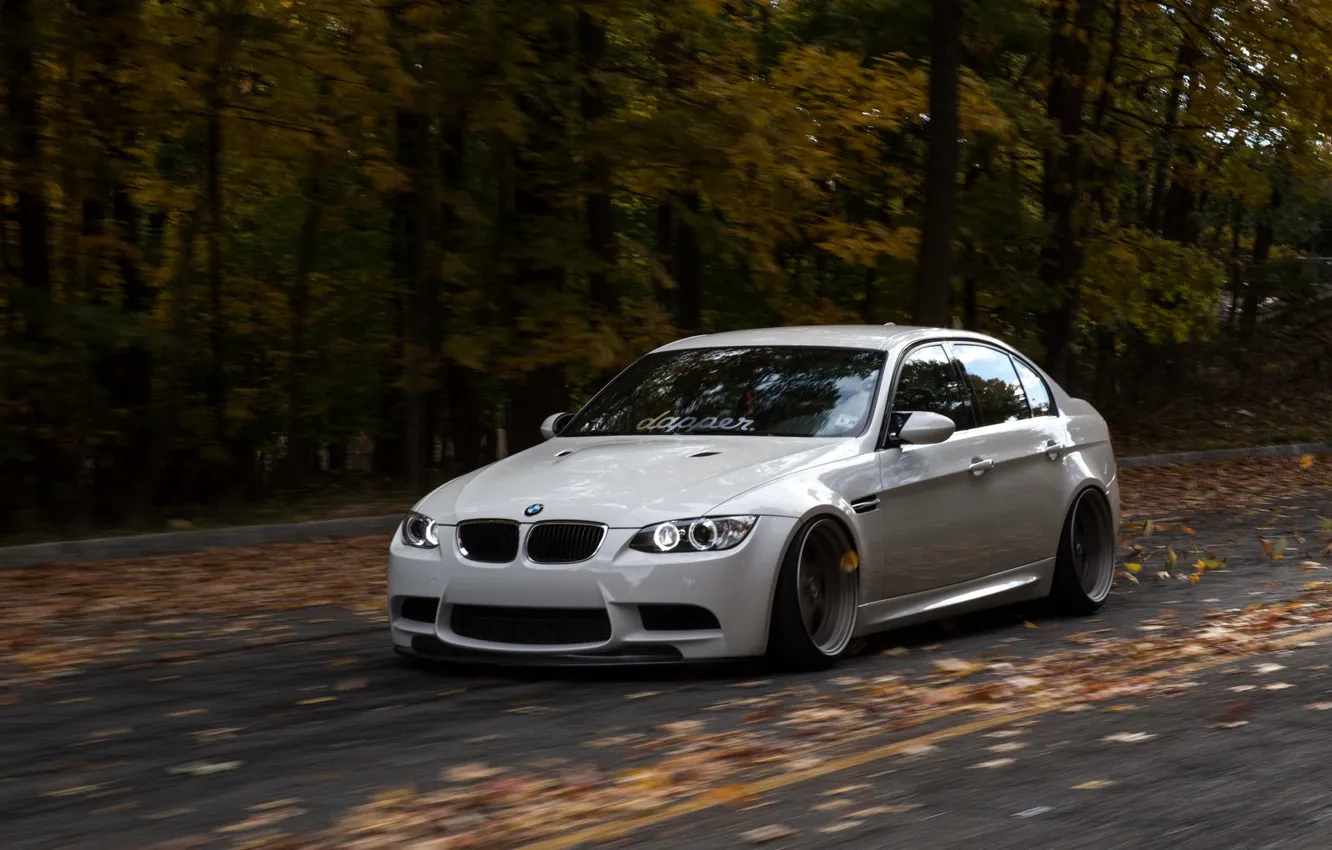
<point>814,610</point>
<point>1085,566</point>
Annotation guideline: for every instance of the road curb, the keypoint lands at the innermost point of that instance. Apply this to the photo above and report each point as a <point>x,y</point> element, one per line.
<point>240,537</point>
<point>185,542</point>
<point>1215,455</point>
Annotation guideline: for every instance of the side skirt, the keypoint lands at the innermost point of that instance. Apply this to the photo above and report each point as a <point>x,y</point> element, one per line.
<point>1029,582</point>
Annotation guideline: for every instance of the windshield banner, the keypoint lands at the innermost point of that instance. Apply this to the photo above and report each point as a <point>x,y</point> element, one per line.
<point>668,424</point>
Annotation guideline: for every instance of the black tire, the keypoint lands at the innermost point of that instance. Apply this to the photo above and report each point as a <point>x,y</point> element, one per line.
<point>790,644</point>
<point>1085,564</point>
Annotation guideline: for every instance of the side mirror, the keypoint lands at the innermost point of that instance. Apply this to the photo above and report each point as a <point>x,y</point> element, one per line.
<point>923,428</point>
<point>554,424</point>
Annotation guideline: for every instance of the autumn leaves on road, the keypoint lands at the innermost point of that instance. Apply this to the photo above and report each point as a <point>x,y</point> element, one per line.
<point>731,746</point>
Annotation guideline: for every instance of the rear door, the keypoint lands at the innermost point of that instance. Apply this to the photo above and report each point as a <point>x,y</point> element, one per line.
<point>1024,453</point>
<point>935,513</point>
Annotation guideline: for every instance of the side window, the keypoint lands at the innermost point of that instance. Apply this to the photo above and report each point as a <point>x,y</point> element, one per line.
<point>1038,394</point>
<point>928,382</point>
<point>994,383</point>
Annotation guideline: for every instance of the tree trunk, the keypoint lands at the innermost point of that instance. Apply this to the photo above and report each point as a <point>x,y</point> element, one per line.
<point>178,322</point>
<point>1184,60</point>
<point>934,269</point>
<point>17,34</point>
<point>1263,237</point>
<point>300,452</point>
<point>688,266</point>
<point>665,250</point>
<point>600,224</point>
<point>544,390</point>
<point>215,95</point>
<point>868,307</point>
<point>1236,264</point>
<point>1062,254</point>
<point>416,275</point>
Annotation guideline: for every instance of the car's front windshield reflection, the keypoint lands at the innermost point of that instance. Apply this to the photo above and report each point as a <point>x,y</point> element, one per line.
<point>778,391</point>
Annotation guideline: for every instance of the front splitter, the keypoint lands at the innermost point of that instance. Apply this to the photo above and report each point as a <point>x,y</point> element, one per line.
<point>433,649</point>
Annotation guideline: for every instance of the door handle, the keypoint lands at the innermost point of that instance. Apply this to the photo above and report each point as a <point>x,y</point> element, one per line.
<point>980,465</point>
<point>1053,449</point>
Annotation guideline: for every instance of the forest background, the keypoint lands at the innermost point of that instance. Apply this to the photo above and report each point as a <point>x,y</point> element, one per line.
<point>243,240</point>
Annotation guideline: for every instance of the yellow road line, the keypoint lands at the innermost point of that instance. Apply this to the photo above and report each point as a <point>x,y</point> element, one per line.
<point>621,828</point>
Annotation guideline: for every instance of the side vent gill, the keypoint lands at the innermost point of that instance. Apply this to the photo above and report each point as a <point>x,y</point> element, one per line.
<point>865,505</point>
<point>705,454</point>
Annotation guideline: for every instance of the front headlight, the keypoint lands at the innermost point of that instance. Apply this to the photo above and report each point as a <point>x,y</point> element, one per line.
<point>706,534</point>
<point>420,531</point>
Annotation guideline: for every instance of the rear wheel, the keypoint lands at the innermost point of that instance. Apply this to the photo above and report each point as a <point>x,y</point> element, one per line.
<point>814,612</point>
<point>1085,566</point>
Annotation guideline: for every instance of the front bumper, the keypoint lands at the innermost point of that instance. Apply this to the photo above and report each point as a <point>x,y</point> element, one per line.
<point>734,586</point>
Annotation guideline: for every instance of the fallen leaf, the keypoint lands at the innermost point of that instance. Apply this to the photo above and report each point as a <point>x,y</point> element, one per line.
<point>1129,737</point>
<point>895,652</point>
<point>841,826</point>
<point>732,795</point>
<point>764,834</point>
<point>831,805</point>
<point>1268,668</point>
<point>472,772</point>
<point>316,700</point>
<point>261,820</point>
<point>1008,747</point>
<point>1319,706</point>
<point>1229,724</point>
<point>1307,462</point>
<point>845,789</point>
<point>894,809</point>
<point>1093,784</point>
<point>1133,568</point>
<point>1277,686</point>
<point>73,790</point>
<point>957,666</point>
<point>203,768</point>
<point>994,763</point>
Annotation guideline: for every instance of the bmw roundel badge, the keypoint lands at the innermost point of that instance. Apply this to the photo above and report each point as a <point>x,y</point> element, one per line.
<point>533,510</point>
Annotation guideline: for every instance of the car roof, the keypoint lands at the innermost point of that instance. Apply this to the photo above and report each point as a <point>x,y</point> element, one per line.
<point>874,337</point>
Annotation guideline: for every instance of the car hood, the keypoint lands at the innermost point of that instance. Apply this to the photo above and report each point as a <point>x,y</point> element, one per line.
<point>626,482</point>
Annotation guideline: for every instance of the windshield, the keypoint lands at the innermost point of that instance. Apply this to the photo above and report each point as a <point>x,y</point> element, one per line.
<point>784,391</point>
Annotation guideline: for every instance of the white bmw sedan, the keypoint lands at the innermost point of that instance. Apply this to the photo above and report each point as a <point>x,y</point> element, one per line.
<point>776,491</point>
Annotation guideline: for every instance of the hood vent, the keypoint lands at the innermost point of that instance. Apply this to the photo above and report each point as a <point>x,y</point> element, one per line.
<point>705,454</point>
<point>564,453</point>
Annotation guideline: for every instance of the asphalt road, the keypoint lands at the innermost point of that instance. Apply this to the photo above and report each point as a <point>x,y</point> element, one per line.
<point>154,753</point>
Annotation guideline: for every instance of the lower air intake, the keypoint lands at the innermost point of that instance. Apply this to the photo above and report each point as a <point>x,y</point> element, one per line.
<point>531,626</point>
